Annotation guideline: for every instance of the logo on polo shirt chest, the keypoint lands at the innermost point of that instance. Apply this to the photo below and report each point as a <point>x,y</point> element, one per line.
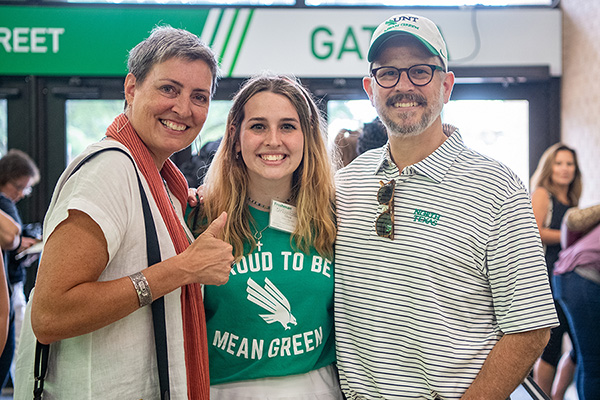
<point>426,217</point>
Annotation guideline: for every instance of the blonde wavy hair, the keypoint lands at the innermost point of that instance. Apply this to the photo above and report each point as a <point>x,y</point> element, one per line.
<point>542,177</point>
<point>226,182</point>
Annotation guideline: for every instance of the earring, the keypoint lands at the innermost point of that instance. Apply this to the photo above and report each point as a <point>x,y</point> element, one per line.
<point>237,155</point>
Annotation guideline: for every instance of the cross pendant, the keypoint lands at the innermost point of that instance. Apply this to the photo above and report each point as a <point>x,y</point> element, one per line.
<point>259,245</point>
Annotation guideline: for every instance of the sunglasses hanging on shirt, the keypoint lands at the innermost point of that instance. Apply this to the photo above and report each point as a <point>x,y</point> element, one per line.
<point>384,224</point>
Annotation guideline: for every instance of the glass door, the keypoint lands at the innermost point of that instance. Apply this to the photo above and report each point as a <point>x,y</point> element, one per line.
<point>87,121</point>
<point>496,128</point>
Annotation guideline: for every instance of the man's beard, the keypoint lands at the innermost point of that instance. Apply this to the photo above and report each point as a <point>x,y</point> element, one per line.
<point>402,128</point>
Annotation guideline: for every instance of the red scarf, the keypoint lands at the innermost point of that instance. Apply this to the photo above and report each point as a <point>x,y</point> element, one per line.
<point>194,323</point>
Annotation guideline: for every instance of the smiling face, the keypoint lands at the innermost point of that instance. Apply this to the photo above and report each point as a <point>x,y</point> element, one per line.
<point>170,106</point>
<point>271,140</point>
<point>406,109</point>
<point>563,168</point>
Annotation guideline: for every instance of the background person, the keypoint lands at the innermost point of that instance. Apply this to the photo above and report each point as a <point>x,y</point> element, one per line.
<point>18,174</point>
<point>577,288</point>
<point>350,144</point>
<point>10,232</point>
<point>4,305</point>
<point>85,301</point>
<point>9,235</point>
<point>345,144</point>
<point>195,168</point>
<point>373,135</point>
<point>277,305</point>
<point>556,186</point>
<point>441,290</point>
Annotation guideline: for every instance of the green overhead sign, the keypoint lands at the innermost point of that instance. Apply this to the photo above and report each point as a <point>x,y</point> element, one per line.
<point>93,41</point>
<point>81,40</point>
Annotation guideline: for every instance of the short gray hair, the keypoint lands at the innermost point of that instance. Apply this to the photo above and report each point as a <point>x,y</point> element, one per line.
<point>166,42</point>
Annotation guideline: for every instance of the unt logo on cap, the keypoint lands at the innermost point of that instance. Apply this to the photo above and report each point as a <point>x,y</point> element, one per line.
<point>395,22</point>
<point>403,18</point>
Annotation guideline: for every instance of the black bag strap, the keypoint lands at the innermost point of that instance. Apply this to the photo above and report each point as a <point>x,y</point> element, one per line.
<point>158,305</point>
<point>39,369</point>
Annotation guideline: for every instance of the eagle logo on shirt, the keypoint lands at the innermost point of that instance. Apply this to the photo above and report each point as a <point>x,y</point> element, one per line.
<point>273,301</point>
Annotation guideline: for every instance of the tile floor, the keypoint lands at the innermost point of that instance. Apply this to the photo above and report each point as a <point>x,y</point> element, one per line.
<point>570,395</point>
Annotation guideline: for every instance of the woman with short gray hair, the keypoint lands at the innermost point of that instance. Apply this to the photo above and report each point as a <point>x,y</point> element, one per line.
<point>98,274</point>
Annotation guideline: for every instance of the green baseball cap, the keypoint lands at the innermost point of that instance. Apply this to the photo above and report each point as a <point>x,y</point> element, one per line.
<point>408,24</point>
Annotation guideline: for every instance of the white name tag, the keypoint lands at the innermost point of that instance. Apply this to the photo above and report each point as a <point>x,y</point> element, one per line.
<point>283,216</point>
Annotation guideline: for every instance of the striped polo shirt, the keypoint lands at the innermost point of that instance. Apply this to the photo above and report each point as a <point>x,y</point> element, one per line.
<point>415,317</point>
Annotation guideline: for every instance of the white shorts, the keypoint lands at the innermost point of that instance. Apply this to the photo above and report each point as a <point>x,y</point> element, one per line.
<point>320,384</point>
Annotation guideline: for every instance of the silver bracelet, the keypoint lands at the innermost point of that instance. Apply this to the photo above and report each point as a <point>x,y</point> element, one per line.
<point>142,288</point>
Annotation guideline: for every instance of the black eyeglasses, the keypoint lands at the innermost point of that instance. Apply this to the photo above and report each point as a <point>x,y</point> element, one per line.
<point>384,224</point>
<point>418,75</point>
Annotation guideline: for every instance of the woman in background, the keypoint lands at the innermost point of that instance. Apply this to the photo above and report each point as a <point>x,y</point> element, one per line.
<point>556,186</point>
<point>577,288</point>
<point>270,329</point>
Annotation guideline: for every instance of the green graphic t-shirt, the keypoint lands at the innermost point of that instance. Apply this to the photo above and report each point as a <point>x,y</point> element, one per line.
<point>275,315</point>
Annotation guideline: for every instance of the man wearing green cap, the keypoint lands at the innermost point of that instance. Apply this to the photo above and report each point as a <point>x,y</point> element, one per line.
<point>441,287</point>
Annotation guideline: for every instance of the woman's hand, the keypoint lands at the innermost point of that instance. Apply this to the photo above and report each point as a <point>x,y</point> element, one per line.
<point>192,199</point>
<point>195,196</point>
<point>27,242</point>
<point>208,259</point>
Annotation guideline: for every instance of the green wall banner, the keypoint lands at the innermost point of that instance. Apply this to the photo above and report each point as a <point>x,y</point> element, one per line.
<point>81,40</point>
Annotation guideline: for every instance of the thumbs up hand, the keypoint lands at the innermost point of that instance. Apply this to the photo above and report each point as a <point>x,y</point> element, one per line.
<point>209,258</point>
